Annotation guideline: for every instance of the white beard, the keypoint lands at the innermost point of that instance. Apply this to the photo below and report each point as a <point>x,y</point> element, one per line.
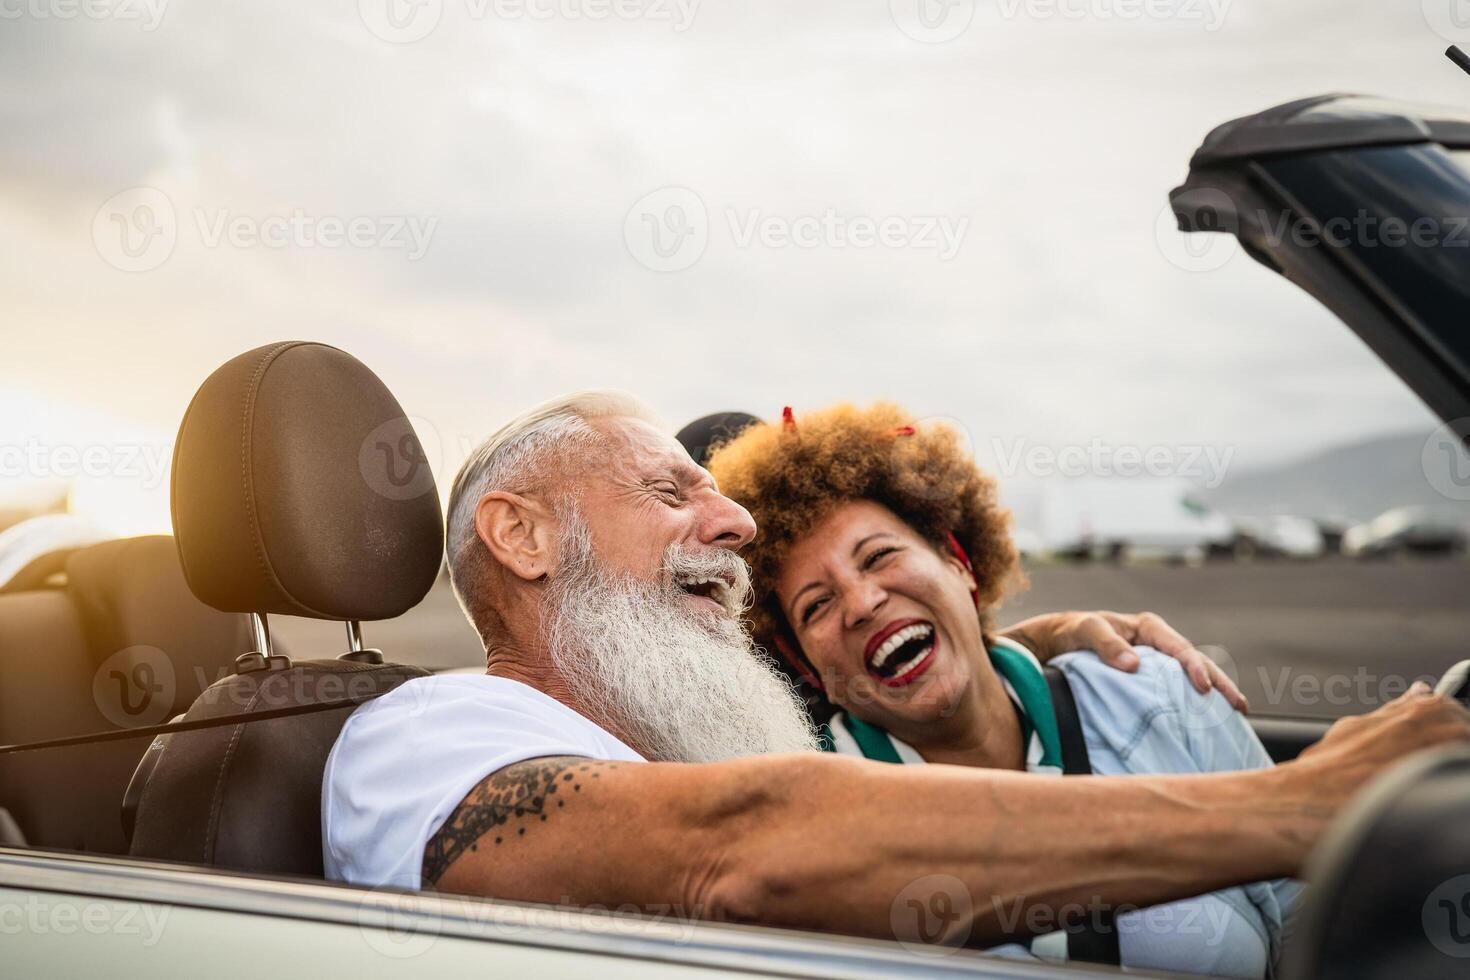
<point>683,687</point>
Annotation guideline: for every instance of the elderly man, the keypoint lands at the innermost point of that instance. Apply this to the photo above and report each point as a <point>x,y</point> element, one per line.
<point>628,746</point>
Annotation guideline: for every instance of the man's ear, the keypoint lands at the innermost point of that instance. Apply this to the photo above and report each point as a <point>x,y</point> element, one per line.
<point>518,532</point>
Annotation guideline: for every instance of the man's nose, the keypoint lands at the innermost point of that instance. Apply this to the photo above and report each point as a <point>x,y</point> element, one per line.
<point>726,524</point>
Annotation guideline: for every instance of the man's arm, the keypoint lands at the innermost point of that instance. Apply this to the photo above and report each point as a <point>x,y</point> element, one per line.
<point>831,843</point>
<point>1112,636</point>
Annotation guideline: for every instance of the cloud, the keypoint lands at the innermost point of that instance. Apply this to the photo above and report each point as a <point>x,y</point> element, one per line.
<point>527,141</point>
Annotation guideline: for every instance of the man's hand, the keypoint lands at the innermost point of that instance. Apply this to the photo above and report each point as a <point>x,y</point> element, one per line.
<point>1112,636</point>
<point>1356,749</point>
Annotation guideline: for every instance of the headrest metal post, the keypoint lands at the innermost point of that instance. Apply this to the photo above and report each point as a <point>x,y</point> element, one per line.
<point>262,633</point>
<point>356,652</point>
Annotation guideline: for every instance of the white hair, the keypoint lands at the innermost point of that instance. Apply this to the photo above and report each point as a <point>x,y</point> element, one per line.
<point>514,459</point>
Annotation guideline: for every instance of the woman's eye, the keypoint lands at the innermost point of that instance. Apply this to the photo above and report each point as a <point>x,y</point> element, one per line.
<point>810,610</point>
<point>873,558</point>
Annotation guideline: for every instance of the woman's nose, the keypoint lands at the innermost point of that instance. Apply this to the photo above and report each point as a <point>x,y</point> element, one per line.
<point>862,602</point>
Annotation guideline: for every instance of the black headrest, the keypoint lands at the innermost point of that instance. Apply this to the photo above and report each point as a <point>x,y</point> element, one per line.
<point>300,487</point>
<point>1390,885</point>
<point>699,436</point>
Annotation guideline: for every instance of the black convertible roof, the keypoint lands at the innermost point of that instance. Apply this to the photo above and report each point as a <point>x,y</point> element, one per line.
<point>1329,122</point>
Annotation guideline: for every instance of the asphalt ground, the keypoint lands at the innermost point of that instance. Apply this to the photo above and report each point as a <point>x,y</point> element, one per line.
<point>1317,639</point>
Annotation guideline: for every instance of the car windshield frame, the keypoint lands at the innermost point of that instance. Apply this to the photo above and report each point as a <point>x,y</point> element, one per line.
<point>1401,215</point>
<point>1275,183</point>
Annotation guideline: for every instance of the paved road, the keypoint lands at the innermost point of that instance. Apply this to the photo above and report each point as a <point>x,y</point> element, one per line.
<point>1316,639</point>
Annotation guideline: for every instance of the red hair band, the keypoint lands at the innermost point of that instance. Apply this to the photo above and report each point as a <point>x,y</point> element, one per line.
<point>788,423</point>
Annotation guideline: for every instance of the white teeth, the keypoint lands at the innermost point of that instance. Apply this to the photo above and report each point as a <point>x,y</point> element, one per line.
<point>891,645</point>
<point>720,592</point>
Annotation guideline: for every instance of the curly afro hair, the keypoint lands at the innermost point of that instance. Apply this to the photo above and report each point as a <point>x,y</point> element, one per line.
<point>790,476</point>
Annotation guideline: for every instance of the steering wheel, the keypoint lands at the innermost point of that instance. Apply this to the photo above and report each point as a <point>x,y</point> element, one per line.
<point>1456,683</point>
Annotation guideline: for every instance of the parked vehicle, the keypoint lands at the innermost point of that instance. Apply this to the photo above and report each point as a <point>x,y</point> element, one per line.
<point>1277,536</point>
<point>1405,531</point>
<point>1332,530</point>
<point>1115,519</point>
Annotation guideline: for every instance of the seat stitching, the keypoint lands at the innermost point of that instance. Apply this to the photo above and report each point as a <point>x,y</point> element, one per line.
<point>245,482</point>
<point>217,804</point>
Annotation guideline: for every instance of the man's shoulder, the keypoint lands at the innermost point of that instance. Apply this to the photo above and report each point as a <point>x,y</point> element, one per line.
<point>422,695</point>
<point>1158,687</point>
<point>1155,705</point>
<point>404,761</point>
<point>1152,665</point>
<point>471,707</point>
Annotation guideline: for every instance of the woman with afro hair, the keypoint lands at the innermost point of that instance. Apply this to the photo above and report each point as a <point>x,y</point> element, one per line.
<point>883,551</point>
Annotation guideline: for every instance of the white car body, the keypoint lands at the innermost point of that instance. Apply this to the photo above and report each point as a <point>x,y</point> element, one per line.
<point>64,915</point>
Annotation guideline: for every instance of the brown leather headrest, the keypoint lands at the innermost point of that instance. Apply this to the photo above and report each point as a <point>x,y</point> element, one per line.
<point>300,487</point>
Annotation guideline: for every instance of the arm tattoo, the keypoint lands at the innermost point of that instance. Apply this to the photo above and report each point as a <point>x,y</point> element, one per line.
<point>504,804</point>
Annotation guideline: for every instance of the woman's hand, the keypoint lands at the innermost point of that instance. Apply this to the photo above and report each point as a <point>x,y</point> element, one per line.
<point>1112,637</point>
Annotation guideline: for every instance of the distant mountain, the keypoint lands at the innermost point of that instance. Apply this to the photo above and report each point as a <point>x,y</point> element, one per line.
<point>1358,481</point>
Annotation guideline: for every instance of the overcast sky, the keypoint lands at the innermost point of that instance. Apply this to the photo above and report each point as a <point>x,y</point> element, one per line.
<point>960,210</point>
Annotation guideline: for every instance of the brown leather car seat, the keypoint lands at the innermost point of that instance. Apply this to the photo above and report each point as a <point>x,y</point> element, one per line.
<point>120,642</point>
